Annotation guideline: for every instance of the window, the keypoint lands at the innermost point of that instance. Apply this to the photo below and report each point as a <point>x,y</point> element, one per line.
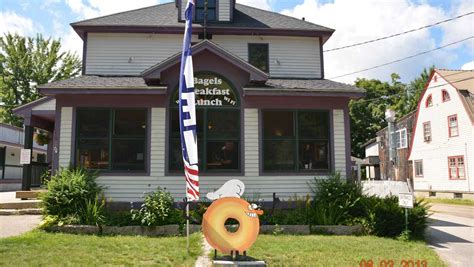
<point>401,138</point>
<point>218,126</point>
<point>453,125</point>
<point>295,141</point>
<point>429,101</point>
<point>111,139</point>
<point>456,167</point>
<point>200,10</point>
<point>258,56</point>
<point>418,168</point>
<point>427,131</point>
<point>446,96</point>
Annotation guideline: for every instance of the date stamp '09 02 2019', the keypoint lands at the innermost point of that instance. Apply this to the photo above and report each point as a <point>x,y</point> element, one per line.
<point>392,263</point>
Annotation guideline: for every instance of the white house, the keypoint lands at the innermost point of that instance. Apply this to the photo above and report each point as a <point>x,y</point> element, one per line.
<point>266,115</point>
<point>442,147</point>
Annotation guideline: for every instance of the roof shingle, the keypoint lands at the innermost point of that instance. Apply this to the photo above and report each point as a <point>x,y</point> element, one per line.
<point>166,15</point>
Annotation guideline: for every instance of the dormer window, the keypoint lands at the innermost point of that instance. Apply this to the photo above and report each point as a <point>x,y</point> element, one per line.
<point>429,101</point>
<point>211,10</point>
<point>446,96</point>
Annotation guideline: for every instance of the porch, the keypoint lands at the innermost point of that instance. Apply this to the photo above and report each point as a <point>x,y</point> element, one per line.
<point>38,116</point>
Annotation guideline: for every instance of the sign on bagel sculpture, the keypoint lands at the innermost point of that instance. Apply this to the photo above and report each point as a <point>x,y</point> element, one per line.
<point>227,204</point>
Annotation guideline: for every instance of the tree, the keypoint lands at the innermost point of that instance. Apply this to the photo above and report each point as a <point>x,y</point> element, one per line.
<point>368,114</point>
<point>414,90</point>
<point>26,62</point>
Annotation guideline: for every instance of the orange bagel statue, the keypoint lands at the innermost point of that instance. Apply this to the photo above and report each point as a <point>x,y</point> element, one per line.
<point>228,205</point>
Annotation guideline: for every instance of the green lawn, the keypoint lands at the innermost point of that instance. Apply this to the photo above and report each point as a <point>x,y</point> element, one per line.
<point>465,202</point>
<point>45,249</point>
<point>322,250</point>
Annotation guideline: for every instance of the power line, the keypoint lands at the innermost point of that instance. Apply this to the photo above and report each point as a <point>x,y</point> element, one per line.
<point>402,59</point>
<point>384,97</point>
<point>401,33</point>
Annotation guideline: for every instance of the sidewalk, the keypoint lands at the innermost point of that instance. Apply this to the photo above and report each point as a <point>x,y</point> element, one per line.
<point>13,225</point>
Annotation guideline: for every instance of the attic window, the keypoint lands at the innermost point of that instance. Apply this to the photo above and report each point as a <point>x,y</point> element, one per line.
<point>446,96</point>
<point>429,101</point>
<point>211,10</point>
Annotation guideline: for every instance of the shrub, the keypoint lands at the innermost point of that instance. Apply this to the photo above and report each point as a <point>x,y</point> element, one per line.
<point>385,218</point>
<point>298,214</point>
<point>73,193</point>
<point>335,201</point>
<point>92,213</point>
<point>157,209</point>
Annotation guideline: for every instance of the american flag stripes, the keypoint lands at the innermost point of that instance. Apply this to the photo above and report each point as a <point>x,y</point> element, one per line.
<point>187,111</point>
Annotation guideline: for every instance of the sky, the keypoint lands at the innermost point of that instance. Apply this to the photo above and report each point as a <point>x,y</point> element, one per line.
<point>354,21</point>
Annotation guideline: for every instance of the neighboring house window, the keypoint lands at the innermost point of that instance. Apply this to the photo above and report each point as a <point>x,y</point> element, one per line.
<point>211,10</point>
<point>453,125</point>
<point>295,141</point>
<point>429,101</point>
<point>258,56</point>
<point>111,139</point>
<point>401,138</point>
<point>427,131</point>
<point>456,167</point>
<point>446,96</point>
<point>419,168</point>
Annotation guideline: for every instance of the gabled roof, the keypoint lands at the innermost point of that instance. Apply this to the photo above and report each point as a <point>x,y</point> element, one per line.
<point>164,17</point>
<point>460,79</point>
<point>206,45</point>
<point>463,81</point>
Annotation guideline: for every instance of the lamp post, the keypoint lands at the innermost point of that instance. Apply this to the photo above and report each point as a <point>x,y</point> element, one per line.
<point>390,115</point>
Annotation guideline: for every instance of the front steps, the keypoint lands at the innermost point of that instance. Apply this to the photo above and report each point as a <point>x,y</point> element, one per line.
<point>21,202</point>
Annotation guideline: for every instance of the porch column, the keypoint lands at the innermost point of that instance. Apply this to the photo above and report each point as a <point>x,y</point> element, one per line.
<point>28,144</point>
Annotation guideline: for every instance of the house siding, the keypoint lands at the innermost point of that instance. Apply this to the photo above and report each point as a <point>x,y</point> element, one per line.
<point>110,53</point>
<point>126,188</point>
<point>65,137</point>
<point>224,10</point>
<point>339,142</point>
<point>436,152</point>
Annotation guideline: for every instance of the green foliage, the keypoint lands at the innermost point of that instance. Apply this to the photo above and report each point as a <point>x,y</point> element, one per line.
<point>335,200</point>
<point>73,193</point>
<point>157,209</point>
<point>298,214</point>
<point>368,114</point>
<point>26,62</point>
<point>92,213</point>
<point>385,218</point>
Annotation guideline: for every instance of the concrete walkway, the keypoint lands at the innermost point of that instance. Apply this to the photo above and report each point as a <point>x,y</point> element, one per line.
<point>451,233</point>
<point>13,225</point>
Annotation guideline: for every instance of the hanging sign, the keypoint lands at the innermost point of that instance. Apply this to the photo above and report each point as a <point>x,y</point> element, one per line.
<point>211,90</point>
<point>25,156</point>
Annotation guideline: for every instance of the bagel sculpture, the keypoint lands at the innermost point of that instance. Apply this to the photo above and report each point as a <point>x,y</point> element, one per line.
<point>228,205</point>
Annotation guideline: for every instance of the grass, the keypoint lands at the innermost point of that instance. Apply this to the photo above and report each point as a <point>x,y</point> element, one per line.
<point>465,202</point>
<point>325,250</point>
<point>46,249</point>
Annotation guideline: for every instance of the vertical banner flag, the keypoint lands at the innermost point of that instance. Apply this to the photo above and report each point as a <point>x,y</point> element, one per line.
<point>187,111</point>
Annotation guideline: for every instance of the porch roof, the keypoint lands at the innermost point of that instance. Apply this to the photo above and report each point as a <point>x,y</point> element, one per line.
<point>137,85</point>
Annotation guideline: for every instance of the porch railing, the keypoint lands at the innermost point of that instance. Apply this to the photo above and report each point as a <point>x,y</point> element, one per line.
<point>37,170</point>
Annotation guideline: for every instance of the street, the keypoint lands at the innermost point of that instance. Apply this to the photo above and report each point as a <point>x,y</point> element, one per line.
<point>451,233</point>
